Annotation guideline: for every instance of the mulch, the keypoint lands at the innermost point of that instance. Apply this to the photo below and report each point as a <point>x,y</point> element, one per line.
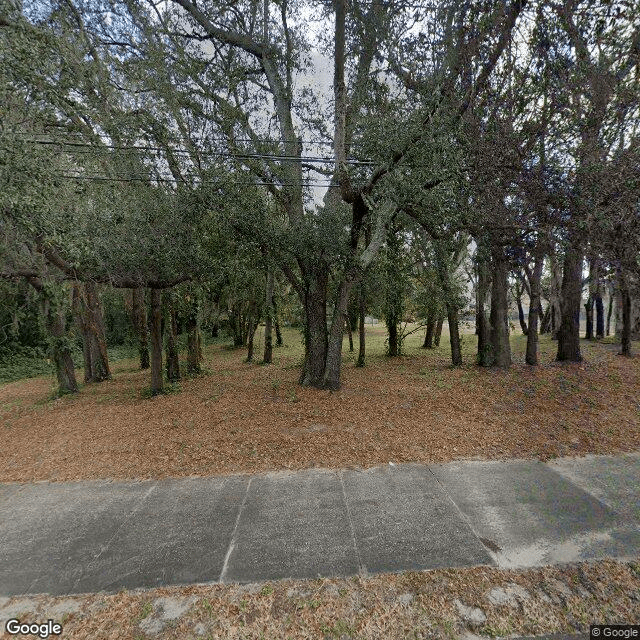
<point>247,418</point>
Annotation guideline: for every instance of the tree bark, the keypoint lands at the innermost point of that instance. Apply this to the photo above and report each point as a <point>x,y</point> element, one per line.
<point>521,318</point>
<point>454,335</point>
<point>569,333</point>
<point>545,324</point>
<point>452,310</point>
<point>531,356</point>
<point>95,318</point>
<point>588,309</point>
<point>599,316</point>
<point>590,303</point>
<point>139,321</point>
<point>315,329</point>
<point>482,321</point>
<point>333,362</point>
<point>428,335</point>
<point>438,333</point>
<point>555,295</point>
<point>173,362</point>
<point>268,322</point>
<point>392,330</point>
<point>237,325</point>
<point>278,333</point>
<point>251,330</point>
<point>276,322</point>
<point>79,312</point>
<point>61,351</point>
<point>361,329</point>
<point>88,312</point>
<point>610,309</point>
<point>350,333</point>
<point>499,317</point>
<point>156,342</point>
<point>394,298</point>
<point>60,346</point>
<point>625,333</point>
<point>194,336</point>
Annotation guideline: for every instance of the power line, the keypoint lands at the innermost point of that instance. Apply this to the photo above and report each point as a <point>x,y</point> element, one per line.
<point>221,139</point>
<point>222,154</point>
<point>198,181</point>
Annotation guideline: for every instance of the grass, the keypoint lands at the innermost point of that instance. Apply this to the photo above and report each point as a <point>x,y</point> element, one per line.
<point>373,608</point>
<point>145,612</point>
<point>239,417</point>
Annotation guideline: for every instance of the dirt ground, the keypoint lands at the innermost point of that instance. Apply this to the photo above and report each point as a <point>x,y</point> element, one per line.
<point>246,418</point>
<point>442,605</point>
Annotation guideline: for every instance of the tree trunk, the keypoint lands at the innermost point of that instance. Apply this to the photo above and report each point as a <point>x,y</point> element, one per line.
<point>268,321</point>
<point>531,356</point>
<point>599,316</point>
<point>173,362</point>
<point>236,324</point>
<point>482,322</point>
<point>87,354</point>
<point>545,324</point>
<point>428,336</point>
<point>333,362</point>
<point>194,337</point>
<point>315,329</point>
<point>156,342</point>
<point>569,333</point>
<point>350,333</point>
<point>278,333</point>
<point>499,317</point>
<point>251,331</point>
<point>361,329</point>
<point>438,333</point>
<point>610,309</point>
<point>276,322</point>
<point>588,309</point>
<point>95,318</point>
<point>59,344</point>
<point>139,321</point>
<point>392,329</point>
<point>590,303</point>
<point>79,312</point>
<point>454,335</point>
<point>555,295</point>
<point>393,304</point>
<point>61,351</point>
<point>625,333</point>
<point>452,310</point>
<point>521,318</point>
<point>88,312</point>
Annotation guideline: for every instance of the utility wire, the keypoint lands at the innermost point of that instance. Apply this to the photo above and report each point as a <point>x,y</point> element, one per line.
<point>219,139</point>
<point>198,181</point>
<point>223,154</point>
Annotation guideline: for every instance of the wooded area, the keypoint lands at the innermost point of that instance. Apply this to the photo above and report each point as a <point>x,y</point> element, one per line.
<point>169,170</point>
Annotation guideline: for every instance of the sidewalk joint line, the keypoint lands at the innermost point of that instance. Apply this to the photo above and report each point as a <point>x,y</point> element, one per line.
<point>232,541</point>
<point>127,518</point>
<point>492,555</point>
<point>361,569</point>
<point>135,509</point>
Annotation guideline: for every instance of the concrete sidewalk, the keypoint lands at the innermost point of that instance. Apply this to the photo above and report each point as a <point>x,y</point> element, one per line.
<point>63,538</point>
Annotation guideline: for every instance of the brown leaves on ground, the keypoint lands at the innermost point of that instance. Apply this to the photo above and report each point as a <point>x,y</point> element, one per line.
<point>247,418</point>
<point>417,605</point>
